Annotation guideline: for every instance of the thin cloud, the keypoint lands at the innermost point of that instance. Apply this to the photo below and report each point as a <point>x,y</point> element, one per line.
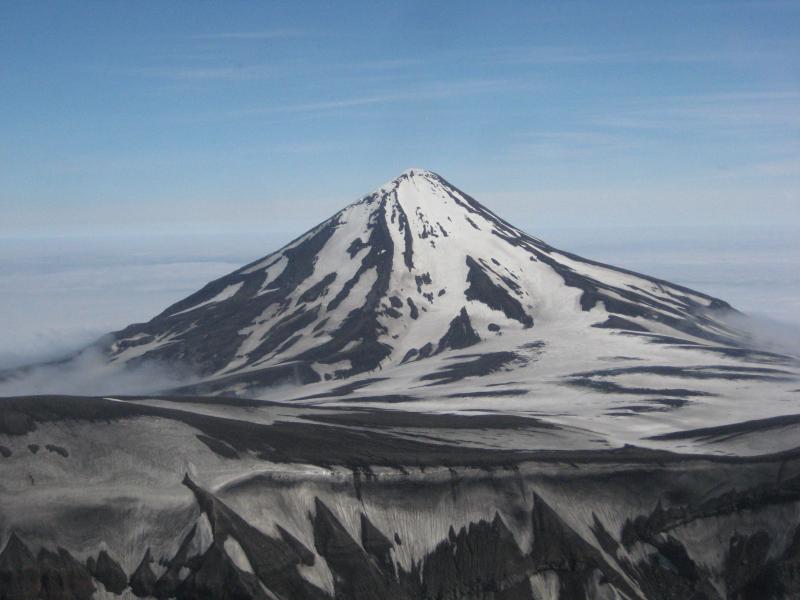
<point>398,63</point>
<point>788,167</point>
<point>236,72</point>
<point>777,167</point>
<point>577,55</point>
<point>563,145</point>
<point>262,71</point>
<point>548,55</point>
<point>90,373</point>
<point>431,92</point>
<point>211,71</point>
<point>733,111</point>
<point>250,35</point>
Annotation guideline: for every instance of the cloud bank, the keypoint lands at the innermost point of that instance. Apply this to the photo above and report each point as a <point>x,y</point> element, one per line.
<point>59,297</point>
<point>90,374</point>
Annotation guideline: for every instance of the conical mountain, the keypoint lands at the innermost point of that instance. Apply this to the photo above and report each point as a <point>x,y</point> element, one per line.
<point>413,270</point>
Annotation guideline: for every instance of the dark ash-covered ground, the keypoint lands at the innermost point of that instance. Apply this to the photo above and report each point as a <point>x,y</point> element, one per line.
<point>230,498</point>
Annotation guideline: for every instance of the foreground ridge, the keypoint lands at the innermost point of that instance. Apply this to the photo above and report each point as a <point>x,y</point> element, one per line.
<point>225,498</point>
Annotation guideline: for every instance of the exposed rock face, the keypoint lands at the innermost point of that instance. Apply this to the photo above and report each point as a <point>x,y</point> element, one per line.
<point>273,560</point>
<point>377,545</point>
<point>460,333</point>
<point>215,576</point>
<point>536,553</point>
<point>20,576</point>
<point>143,580</point>
<point>108,572</point>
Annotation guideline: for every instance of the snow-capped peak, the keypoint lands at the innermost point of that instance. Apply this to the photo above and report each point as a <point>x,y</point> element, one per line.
<point>414,270</point>
<point>414,177</point>
<point>414,172</point>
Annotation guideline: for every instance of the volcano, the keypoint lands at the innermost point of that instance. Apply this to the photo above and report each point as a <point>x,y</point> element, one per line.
<point>415,269</point>
<point>418,297</point>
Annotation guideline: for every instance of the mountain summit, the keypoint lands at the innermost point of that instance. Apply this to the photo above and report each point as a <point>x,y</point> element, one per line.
<point>404,279</point>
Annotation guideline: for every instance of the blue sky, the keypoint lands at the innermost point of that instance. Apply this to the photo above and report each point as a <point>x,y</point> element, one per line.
<point>226,116</point>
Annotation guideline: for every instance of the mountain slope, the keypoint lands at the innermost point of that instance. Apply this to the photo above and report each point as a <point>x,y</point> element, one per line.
<point>417,297</point>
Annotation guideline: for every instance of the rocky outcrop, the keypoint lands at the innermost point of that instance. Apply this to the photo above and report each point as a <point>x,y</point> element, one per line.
<point>486,558</point>
<point>320,503</point>
<point>108,572</point>
<point>51,575</point>
<point>20,576</point>
<point>143,579</point>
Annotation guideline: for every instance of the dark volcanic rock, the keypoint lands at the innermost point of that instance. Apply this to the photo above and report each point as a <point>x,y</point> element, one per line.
<point>460,334</point>
<point>13,422</point>
<point>169,582</point>
<point>274,561</point>
<point>108,572</point>
<point>615,322</point>
<point>20,576</point>
<point>559,548</point>
<point>414,314</point>
<point>57,449</point>
<point>660,520</point>
<point>609,387</point>
<point>63,577</point>
<point>318,290</point>
<point>355,575</point>
<point>483,289</point>
<point>745,573</point>
<point>143,580</point>
<point>218,446</point>
<point>307,557</point>
<point>480,559</point>
<point>377,544</point>
<point>671,574</point>
<point>217,577</point>
<point>757,425</point>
